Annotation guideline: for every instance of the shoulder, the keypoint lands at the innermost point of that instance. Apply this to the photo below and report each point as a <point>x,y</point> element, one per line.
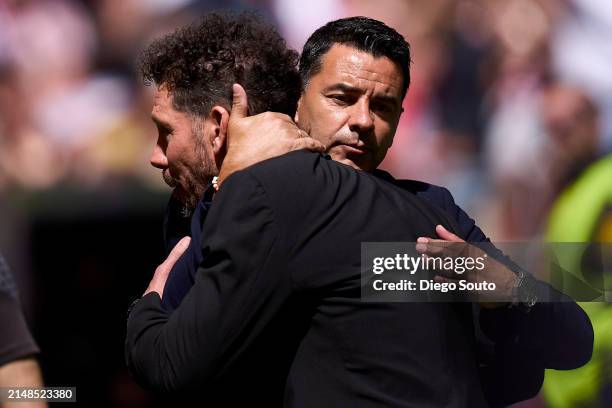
<point>285,167</point>
<point>301,186</point>
<point>301,173</point>
<point>437,195</point>
<point>442,199</point>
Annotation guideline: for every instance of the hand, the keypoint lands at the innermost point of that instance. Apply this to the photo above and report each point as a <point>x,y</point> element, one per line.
<point>450,245</point>
<point>251,139</point>
<point>160,277</point>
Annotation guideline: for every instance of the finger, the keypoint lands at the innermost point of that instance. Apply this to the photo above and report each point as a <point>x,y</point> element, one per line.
<point>240,107</point>
<point>447,235</point>
<point>421,246</point>
<point>432,247</point>
<point>447,273</point>
<point>158,282</point>
<point>449,248</point>
<point>176,253</point>
<point>309,144</point>
<point>444,279</point>
<point>425,241</point>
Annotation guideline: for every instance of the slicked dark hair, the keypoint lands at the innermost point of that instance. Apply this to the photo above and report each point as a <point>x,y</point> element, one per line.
<point>199,63</point>
<point>362,33</point>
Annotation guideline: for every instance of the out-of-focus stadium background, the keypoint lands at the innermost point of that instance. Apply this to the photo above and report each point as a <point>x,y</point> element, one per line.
<point>510,105</point>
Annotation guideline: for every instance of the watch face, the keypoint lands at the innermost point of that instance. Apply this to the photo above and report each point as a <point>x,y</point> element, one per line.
<point>526,290</point>
<point>530,302</point>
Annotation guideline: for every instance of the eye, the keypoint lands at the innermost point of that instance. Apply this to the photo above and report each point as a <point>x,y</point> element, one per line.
<point>382,107</point>
<point>163,130</point>
<point>340,99</point>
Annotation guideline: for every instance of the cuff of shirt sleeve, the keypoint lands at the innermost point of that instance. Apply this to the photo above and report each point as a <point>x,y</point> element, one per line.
<point>513,327</point>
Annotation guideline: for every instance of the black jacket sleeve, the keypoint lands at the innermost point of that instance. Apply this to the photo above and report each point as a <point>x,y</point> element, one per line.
<point>240,286</point>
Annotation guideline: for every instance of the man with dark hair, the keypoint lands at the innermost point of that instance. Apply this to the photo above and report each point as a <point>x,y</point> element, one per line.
<point>345,105</point>
<point>278,284</point>
<point>359,140</point>
<point>361,33</point>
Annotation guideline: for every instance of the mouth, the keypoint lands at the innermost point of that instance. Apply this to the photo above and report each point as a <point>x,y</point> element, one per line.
<point>355,149</point>
<point>168,179</point>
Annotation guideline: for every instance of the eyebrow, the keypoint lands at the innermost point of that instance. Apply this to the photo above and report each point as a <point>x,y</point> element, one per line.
<point>159,122</point>
<point>353,90</point>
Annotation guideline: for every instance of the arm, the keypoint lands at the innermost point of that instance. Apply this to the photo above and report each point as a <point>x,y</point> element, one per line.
<point>509,379</point>
<point>239,288</point>
<point>252,139</point>
<point>536,334</point>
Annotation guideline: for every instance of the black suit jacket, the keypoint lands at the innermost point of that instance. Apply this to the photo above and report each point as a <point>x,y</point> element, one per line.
<point>275,315</point>
<point>514,347</point>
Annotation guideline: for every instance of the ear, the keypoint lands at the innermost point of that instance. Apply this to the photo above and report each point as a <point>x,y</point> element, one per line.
<point>296,118</point>
<point>218,119</point>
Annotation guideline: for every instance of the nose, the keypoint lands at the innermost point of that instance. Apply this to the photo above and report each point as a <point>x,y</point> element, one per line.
<point>361,120</point>
<point>158,157</point>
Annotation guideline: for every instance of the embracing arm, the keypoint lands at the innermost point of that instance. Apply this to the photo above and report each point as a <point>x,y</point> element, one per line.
<point>239,288</point>
<point>535,335</point>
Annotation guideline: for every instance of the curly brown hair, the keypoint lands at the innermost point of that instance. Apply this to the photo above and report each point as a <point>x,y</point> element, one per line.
<point>199,63</point>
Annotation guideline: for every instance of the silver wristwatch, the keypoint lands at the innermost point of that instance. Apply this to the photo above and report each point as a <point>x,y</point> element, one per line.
<point>524,291</point>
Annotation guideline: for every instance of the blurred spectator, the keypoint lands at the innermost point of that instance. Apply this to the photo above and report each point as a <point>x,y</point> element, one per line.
<point>516,150</point>
<point>298,19</point>
<point>581,213</point>
<point>582,53</point>
<point>572,124</point>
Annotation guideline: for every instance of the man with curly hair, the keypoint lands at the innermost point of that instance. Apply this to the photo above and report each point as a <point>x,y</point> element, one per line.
<point>194,69</point>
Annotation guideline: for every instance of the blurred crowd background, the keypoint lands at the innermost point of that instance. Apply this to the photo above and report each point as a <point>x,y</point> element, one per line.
<point>510,104</point>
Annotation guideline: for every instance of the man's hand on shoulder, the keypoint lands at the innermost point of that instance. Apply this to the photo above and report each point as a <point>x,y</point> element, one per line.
<point>251,139</point>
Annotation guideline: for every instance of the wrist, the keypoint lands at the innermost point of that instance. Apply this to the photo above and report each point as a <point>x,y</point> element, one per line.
<point>524,292</point>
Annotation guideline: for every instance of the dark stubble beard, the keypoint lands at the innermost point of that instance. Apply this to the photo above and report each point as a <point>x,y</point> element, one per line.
<point>202,173</point>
